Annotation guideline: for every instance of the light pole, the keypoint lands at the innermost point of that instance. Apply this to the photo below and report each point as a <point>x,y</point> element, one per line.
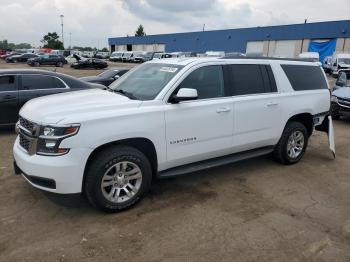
<point>61,16</point>
<point>70,40</point>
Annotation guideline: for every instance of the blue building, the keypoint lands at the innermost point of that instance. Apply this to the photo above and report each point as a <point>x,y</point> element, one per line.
<point>284,40</point>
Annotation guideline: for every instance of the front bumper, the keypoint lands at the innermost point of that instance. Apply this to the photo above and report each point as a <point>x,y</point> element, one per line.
<point>64,172</point>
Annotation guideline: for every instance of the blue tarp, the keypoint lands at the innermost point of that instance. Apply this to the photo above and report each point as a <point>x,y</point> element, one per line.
<point>323,48</point>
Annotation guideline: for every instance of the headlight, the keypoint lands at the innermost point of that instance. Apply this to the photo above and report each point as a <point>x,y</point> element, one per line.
<point>51,137</point>
<point>334,99</point>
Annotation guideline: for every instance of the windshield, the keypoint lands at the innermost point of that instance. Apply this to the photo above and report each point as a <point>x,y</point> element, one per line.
<point>344,61</point>
<point>147,80</point>
<point>108,73</point>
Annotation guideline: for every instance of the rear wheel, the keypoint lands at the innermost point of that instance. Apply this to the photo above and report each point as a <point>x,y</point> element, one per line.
<point>292,145</point>
<point>117,178</point>
<point>36,64</point>
<point>59,64</point>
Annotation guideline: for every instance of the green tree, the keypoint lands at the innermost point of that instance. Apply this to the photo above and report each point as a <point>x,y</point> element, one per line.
<point>6,45</point>
<point>51,40</point>
<point>105,49</point>
<point>140,31</point>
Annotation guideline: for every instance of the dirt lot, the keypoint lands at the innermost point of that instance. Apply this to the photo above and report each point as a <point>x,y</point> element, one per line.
<point>256,210</point>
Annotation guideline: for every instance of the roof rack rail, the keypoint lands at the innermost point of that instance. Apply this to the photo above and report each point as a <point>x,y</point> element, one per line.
<point>269,58</point>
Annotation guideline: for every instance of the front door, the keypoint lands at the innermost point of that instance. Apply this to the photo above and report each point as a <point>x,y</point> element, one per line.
<point>8,99</point>
<point>200,129</point>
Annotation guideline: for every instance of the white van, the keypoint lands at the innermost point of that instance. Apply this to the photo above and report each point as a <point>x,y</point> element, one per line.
<point>340,62</point>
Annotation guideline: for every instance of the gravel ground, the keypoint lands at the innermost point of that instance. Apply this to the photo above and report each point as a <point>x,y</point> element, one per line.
<point>256,210</point>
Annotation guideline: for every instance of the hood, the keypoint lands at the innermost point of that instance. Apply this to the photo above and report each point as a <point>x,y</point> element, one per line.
<point>76,106</point>
<point>344,65</point>
<point>342,92</point>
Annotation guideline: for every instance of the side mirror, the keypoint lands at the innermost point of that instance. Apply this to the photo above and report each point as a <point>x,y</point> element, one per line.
<point>184,94</point>
<point>335,64</point>
<point>116,77</point>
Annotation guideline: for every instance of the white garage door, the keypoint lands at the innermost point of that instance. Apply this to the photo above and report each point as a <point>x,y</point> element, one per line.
<point>149,48</point>
<point>285,48</point>
<point>255,47</point>
<point>120,48</point>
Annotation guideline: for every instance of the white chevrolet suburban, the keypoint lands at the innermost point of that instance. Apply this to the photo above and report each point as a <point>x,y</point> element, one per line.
<point>169,117</point>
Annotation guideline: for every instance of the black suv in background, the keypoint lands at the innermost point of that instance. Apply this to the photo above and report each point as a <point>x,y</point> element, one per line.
<point>55,60</point>
<point>19,86</point>
<point>20,58</point>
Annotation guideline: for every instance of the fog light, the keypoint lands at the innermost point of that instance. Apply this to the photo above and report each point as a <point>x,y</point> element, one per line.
<point>50,143</point>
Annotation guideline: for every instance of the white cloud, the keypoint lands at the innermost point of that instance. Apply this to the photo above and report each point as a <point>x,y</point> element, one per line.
<point>92,22</point>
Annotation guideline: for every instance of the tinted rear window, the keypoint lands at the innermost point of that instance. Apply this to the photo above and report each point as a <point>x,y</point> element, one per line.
<point>248,79</point>
<point>303,77</point>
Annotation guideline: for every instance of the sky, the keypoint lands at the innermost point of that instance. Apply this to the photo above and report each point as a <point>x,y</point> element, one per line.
<point>91,22</point>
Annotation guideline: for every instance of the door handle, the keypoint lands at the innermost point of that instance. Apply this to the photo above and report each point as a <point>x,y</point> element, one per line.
<point>9,97</point>
<point>272,104</point>
<point>223,110</point>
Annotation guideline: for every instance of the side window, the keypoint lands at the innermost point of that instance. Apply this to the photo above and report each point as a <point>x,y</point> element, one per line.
<point>7,83</point>
<point>58,83</point>
<point>248,79</point>
<point>304,77</point>
<point>33,82</point>
<point>208,80</point>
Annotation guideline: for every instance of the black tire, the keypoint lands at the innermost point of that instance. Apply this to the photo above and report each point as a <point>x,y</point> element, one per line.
<point>335,117</point>
<point>59,64</point>
<point>36,64</point>
<point>14,60</point>
<point>102,163</point>
<point>281,152</point>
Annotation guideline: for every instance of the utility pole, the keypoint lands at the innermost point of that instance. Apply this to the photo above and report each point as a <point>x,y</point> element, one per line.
<point>203,27</point>
<point>61,16</point>
<point>70,40</point>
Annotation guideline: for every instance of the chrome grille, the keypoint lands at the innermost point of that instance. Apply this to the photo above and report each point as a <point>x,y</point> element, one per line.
<point>344,102</point>
<point>26,124</point>
<point>24,142</point>
<point>28,132</point>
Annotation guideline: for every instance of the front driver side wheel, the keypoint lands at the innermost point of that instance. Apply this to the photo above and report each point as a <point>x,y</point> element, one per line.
<point>117,178</point>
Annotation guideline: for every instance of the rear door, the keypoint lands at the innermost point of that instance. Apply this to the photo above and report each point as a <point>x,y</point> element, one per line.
<point>256,106</point>
<point>8,99</point>
<point>36,85</point>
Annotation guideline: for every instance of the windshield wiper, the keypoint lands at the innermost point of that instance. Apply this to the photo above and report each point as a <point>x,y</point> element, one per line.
<point>125,93</point>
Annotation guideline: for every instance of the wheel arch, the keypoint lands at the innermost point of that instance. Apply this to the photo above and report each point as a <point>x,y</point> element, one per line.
<point>144,145</point>
<point>306,119</point>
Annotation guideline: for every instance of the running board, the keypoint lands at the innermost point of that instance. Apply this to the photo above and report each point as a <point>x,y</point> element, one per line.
<point>219,161</point>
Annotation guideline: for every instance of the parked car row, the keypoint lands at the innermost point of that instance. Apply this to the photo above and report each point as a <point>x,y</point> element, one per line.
<point>143,56</point>
<point>336,63</point>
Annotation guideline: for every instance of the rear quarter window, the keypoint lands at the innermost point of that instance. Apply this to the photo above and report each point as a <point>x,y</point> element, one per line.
<point>304,77</point>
